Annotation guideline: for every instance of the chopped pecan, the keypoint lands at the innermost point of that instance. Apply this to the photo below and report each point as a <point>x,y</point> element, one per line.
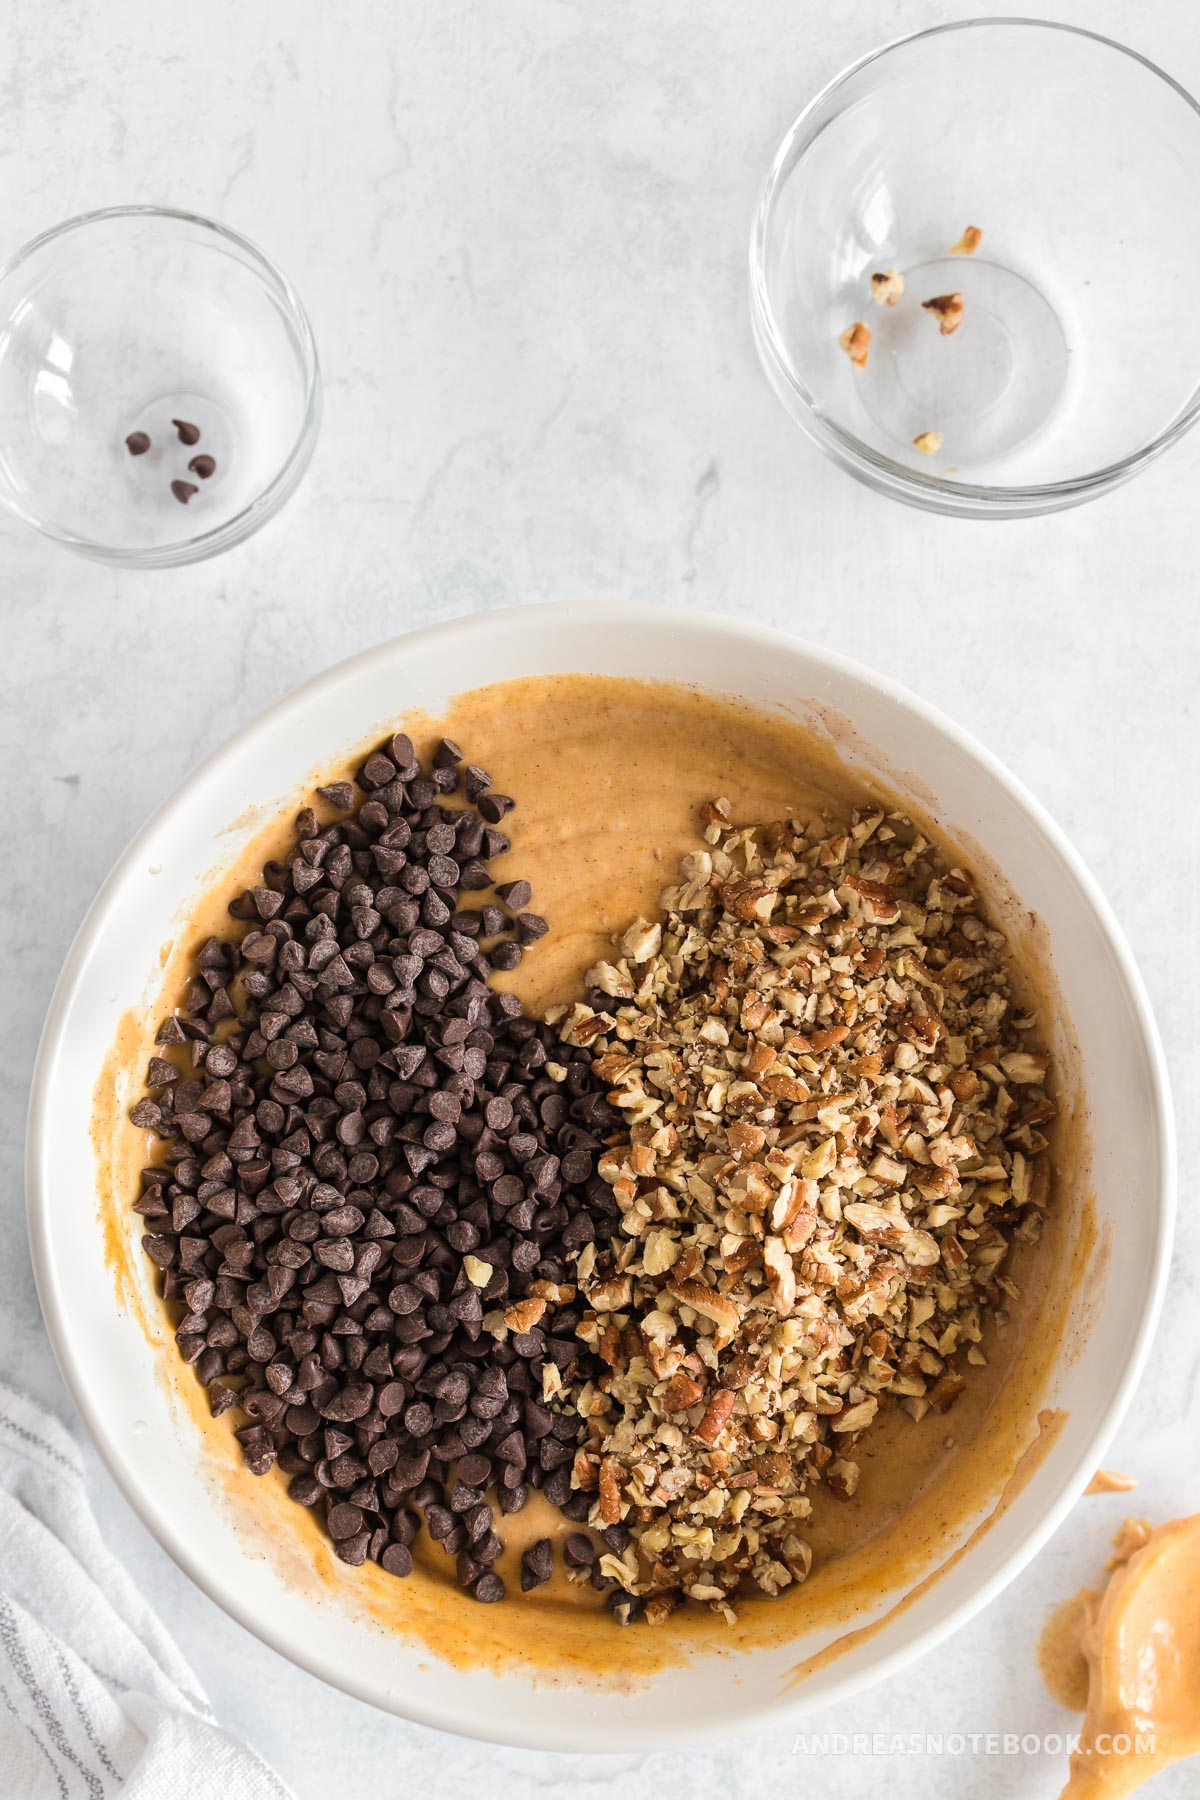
<point>856,342</point>
<point>841,1478</point>
<point>609,1483</point>
<point>781,1275</point>
<point>682,1392</point>
<point>785,1087</point>
<point>523,1315</point>
<point>739,1253</point>
<point>773,1467</point>
<point>947,309</point>
<point>749,899</point>
<point>612,1294</point>
<point>716,1416</point>
<point>744,1139</point>
<point>709,1304</point>
<point>945,1392</point>
<point>887,287</point>
<point>739,1370</point>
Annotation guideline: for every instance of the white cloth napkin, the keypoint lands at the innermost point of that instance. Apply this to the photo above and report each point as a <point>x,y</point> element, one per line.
<point>95,1699</point>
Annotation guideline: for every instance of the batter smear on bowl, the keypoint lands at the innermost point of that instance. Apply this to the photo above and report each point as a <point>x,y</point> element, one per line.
<point>664,1255</point>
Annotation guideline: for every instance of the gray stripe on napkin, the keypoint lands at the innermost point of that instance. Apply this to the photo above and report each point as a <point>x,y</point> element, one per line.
<point>10,1643</point>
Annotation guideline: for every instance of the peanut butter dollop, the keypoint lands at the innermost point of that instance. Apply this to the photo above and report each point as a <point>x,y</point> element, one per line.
<point>1141,1641</point>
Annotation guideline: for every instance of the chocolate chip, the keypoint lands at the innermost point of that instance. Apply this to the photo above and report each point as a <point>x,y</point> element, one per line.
<point>469,1569</point>
<point>489,1588</point>
<point>539,1420</point>
<point>531,927</point>
<point>339,794</point>
<point>397,1560</point>
<point>203,466</point>
<point>354,1550</point>
<point>474,1470</point>
<point>188,434</point>
<point>493,807</point>
<point>351,1402</point>
<point>579,1552</point>
<point>537,1565</point>
<point>557,1487</point>
<point>576,1167</point>
<point>403,755</point>
<point>137,443</point>
<point>515,894</point>
<point>419,1419</point>
<point>183,491</point>
<point>474,875</point>
<point>344,1520</point>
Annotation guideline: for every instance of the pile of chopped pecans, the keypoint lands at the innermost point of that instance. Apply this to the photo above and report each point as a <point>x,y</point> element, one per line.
<point>834,1133</point>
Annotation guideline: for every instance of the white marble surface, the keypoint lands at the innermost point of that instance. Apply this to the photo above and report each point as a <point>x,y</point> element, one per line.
<point>519,230</point>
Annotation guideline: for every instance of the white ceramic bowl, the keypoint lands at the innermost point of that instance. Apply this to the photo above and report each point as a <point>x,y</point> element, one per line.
<point>115,1376</point>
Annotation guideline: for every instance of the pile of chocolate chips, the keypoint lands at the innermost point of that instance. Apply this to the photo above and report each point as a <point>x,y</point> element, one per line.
<point>364,1158</point>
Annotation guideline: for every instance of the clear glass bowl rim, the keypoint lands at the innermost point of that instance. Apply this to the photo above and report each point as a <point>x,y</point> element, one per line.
<point>851,452</point>
<point>282,484</point>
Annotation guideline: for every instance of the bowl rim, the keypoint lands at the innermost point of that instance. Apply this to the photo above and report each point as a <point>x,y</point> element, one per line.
<point>282,484</point>
<point>935,493</point>
<point>830,1687</point>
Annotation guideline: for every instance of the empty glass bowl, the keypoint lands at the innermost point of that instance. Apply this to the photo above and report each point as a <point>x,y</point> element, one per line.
<point>159,390</point>
<point>1072,366</point>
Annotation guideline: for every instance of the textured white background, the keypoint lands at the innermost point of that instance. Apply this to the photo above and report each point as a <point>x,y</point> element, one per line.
<point>519,229</point>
